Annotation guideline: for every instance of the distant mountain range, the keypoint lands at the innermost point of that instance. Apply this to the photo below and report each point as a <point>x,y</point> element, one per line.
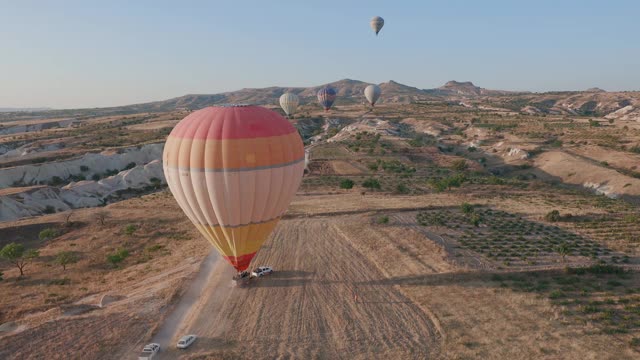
<point>24,109</point>
<point>592,101</point>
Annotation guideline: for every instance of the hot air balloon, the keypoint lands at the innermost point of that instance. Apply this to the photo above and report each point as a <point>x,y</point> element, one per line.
<point>376,24</point>
<point>234,170</point>
<point>289,103</point>
<point>372,93</point>
<point>326,97</point>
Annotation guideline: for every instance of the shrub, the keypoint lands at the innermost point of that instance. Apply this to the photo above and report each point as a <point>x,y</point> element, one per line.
<point>373,166</point>
<point>95,177</point>
<point>475,219</point>
<point>459,165</point>
<point>371,183</point>
<point>130,229</point>
<point>130,165</point>
<point>383,220</point>
<point>1,276</point>
<point>47,234</point>
<point>346,184</point>
<point>84,168</point>
<point>466,208</point>
<point>49,209</point>
<point>56,180</point>
<point>402,189</point>
<point>117,257</point>
<point>552,216</point>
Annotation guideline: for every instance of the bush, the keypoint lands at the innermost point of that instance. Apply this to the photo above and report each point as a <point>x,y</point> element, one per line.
<point>373,166</point>
<point>346,184</point>
<point>84,168</point>
<point>95,177</point>
<point>459,165</point>
<point>552,216</point>
<point>47,234</point>
<point>383,220</point>
<point>56,180</point>
<point>1,276</point>
<point>49,209</point>
<point>371,183</point>
<point>130,229</point>
<point>117,257</point>
<point>402,189</point>
<point>466,208</point>
<point>129,166</point>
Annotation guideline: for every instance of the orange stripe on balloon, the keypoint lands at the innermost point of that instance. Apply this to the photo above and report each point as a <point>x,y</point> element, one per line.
<point>233,154</point>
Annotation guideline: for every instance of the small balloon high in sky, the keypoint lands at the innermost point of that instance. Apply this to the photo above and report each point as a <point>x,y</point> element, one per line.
<point>376,24</point>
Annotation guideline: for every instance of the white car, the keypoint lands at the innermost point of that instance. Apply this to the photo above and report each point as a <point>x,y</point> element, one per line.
<point>261,271</point>
<point>186,341</point>
<point>149,351</point>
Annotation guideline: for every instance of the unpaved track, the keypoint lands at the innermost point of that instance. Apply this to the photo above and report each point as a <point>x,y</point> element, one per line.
<point>170,330</point>
<point>307,308</point>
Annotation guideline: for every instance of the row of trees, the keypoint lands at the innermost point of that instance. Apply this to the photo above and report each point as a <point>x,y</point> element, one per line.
<point>20,257</point>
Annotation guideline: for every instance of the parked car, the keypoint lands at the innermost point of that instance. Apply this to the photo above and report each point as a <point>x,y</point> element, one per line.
<point>149,351</point>
<point>261,271</point>
<point>186,341</point>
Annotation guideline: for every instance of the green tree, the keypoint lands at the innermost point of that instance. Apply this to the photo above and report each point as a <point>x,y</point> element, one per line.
<point>65,258</point>
<point>346,184</point>
<point>17,255</point>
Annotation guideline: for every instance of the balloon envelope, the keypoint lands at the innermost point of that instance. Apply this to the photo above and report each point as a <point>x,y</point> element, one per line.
<point>376,24</point>
<point>289,103</point>
<point>234,170</point>
<point>372,93</point>
<point>326,97</point>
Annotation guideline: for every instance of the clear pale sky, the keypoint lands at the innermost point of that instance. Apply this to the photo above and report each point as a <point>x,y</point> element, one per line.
<point>102,53</point>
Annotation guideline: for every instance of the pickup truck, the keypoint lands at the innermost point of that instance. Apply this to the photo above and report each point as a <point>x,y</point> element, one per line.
<point>149,351</point>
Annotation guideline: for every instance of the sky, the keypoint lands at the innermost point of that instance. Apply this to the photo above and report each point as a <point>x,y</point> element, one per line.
<point>71,54</point>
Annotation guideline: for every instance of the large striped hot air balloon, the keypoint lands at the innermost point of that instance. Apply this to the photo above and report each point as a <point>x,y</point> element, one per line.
<point>372,93</point>
<point>326,97</point>
<point>289,103</point>
<point>376,24</point>
<point>234,170</point>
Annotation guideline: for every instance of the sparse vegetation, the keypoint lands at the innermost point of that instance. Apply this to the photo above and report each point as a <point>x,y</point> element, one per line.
<point>130,229</point>
<point>371,183</point>
<point>117,257</point>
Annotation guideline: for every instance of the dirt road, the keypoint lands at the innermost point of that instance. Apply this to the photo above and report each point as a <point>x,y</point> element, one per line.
<point>308,308</point>
<point>171,328</point>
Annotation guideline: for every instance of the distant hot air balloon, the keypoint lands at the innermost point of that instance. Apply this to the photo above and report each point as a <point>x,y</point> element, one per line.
<point>326,97</point>
<point>376,24</point>
<point>234,170</point>
<point>372,93</point>
<point>289,103</point>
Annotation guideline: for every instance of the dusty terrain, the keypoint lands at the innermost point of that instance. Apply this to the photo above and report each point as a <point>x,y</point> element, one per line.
<point>445,244</point>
